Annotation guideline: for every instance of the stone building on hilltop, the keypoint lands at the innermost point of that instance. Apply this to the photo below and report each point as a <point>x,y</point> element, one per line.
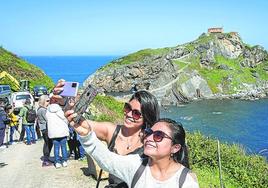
<point>215,30</point>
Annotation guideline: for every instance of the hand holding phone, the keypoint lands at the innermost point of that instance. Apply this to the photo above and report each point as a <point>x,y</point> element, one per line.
<point>83,102</point>
<point>70,89</point>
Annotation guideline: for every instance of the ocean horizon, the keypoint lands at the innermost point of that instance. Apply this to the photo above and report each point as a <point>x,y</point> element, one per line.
<point>69,68</point>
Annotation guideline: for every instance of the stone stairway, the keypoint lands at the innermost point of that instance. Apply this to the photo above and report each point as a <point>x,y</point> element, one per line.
<point>160,92</point>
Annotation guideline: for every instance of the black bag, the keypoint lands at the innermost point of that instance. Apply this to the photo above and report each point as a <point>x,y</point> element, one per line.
<point>30,115</point>
<point>7,121</point>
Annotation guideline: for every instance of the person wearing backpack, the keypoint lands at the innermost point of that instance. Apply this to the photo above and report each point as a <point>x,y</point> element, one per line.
<point>28,115</point>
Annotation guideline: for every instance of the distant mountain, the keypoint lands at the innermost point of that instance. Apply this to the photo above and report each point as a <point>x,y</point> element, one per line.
<point>21,70</point>
<point>215,65</point>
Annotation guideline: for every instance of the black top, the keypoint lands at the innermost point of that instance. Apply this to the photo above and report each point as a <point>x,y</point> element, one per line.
<point>115,182</point>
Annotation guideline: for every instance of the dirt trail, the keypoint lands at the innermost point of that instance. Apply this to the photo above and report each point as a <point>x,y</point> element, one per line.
<point>20,166</point>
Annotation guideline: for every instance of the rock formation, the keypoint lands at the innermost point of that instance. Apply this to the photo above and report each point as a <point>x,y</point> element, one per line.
<point>216,65</point>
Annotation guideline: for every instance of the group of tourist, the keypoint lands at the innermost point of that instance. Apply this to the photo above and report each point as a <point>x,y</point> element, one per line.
<point>50,120</point>
<point>18,123</point>
<point>155,146</point>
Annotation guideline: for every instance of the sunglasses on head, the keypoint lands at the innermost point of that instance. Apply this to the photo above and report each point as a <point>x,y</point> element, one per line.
<point>158,136</point>
<point>136,114</point>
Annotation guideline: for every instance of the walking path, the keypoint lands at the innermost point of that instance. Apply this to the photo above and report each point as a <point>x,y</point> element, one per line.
<point>168,85</point>
<point>20,166</point>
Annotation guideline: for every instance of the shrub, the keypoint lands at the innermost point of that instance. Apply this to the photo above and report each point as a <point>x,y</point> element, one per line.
<point>237,167</point>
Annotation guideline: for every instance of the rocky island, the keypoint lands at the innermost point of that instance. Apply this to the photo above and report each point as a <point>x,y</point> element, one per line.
<point>215,65</point>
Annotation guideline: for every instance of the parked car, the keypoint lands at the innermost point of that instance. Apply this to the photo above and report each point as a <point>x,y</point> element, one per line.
<point>39,90</point>
<point>5,93</point>
<point>17,99</point>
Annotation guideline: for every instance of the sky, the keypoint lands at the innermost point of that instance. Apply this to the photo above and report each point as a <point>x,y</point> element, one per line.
<point>120,27</point>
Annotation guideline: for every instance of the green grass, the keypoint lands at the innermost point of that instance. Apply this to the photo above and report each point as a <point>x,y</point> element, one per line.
<point>209,177</point>
<point>112,109</point>
<point>238,169</point>
<point>190,47</point>
<point>22,70</point>
<point>230,79</point>
<point>202,39</point>
<point>259,69</point>
<point>139,56</point>
<point>179,63</point>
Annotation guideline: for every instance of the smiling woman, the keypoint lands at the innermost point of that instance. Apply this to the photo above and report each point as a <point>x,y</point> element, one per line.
<point>165,163</point>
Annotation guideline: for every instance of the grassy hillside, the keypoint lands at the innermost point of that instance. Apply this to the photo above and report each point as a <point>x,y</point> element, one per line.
<point>223,60</point>
<point>230,79</point>
<point>238,168</point>
<point>22,70</point>
<point>139,56</point>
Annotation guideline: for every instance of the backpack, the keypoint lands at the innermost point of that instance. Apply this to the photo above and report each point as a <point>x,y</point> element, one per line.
<point>30,115</point>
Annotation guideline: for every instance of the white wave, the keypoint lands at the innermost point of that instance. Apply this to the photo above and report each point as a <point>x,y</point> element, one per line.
<point>217,113</point>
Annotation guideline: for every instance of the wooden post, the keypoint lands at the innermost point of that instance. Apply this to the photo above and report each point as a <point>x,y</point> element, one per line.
<point>219,163</point>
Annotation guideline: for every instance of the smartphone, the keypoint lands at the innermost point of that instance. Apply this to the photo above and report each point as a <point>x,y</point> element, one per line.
<point>83,102</point>
<point>70,89</point>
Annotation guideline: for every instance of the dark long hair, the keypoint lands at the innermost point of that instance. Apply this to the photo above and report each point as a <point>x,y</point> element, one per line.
<point>149,107</point>
<point>178,137</point>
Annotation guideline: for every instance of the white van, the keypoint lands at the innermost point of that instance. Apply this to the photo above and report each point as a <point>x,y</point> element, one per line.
<point>5,92</point>
<point>17,99</point>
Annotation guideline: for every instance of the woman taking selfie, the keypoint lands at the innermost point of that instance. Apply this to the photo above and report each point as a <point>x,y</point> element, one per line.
<point>165,162</point>
<point>140,112</point>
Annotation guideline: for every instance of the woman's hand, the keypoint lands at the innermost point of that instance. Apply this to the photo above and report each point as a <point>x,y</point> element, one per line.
<point>56,97</point>
<point>58,89</point>
<point>83,128</point>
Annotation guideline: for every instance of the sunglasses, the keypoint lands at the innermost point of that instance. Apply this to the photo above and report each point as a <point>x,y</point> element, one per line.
<point>136,114</point>
<point>158,136</point>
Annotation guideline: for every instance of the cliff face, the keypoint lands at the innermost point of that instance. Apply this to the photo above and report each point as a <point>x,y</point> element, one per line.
<point>21,70</point>
<point>213,66</point>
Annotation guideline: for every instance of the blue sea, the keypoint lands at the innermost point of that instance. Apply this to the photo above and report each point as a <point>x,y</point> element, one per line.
<point>70,68</point>
<point>232,121</point>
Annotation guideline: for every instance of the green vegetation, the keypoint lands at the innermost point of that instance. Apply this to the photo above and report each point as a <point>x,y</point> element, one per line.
<point>22,70</point>
<point>203,39</point>
<point>260,70</point>
<point>190,46</point>
<point>179,63</point>
<point>111,109</point>
<point>230,78</point>
<point>139,56</point>
<point>238,169</point>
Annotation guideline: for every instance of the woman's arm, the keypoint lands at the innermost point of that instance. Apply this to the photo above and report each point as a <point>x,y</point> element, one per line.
<point>123,167</point>
<point>109,161</point>
<point>103,130</point>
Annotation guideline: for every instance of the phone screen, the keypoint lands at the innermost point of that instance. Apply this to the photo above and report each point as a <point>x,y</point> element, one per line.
<point>70,89</point>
